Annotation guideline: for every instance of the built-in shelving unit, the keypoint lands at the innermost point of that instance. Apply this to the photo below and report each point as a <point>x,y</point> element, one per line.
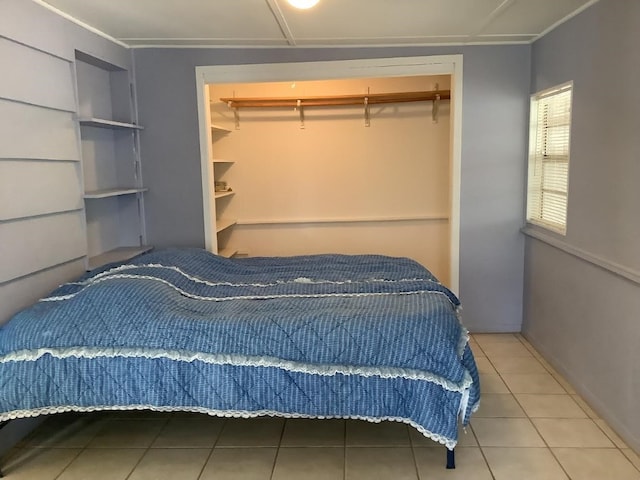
<point>102,123</point>
<point>222,197</point>
<point>218,128</point>
<point>116,255</point>
<point>227,252</point>
<point>222,224</point>
<point>113,192</point>
<point>112,182</point>
<point>223,194</point>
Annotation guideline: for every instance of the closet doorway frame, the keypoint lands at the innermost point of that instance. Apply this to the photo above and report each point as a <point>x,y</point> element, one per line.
<point>333,70</point>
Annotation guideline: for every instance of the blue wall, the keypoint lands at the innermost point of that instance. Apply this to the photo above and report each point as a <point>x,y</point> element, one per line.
<point>582,292</point>
<point>495,126</point>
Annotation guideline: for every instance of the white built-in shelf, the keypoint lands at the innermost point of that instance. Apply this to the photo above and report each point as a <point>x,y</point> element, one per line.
<point>113,192</point>
<point>218,128</point>
<point>222,160</point>
<point>223,194</point>
<point>112,124</point>
<point>117,255</point>
<point>223,224</point>
<point>227,252</point>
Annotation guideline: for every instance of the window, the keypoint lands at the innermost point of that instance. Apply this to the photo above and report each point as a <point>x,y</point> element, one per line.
<point>548,180</point>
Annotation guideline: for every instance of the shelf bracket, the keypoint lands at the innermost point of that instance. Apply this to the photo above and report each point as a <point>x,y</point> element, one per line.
<point>436,106</point>
<point>367,121</point>
<point>300,109</point>
<point>236,114</point>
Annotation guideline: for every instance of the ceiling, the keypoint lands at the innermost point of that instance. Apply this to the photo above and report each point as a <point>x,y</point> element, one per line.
<point>139,23</point>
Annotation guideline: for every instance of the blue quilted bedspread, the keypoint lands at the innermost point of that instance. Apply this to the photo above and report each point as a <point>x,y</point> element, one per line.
<point>369,337</point>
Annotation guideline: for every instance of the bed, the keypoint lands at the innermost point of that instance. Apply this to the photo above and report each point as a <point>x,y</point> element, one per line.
<point>321,336</point>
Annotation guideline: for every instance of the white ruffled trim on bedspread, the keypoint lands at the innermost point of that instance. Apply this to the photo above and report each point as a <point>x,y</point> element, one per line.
<point>238,297</point>
<point>241,361</point>
<point>230,284</point>
<point>447,442</point>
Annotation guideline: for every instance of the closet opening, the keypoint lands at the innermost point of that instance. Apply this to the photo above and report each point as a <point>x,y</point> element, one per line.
<point>316,175</point>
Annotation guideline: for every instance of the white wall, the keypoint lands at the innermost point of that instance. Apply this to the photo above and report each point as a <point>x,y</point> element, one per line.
<point>336,185</point>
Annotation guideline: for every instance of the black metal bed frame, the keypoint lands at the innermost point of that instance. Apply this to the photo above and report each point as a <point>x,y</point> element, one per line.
<point>451,459</point>
<point>2,425</point>
<point>451,454</point>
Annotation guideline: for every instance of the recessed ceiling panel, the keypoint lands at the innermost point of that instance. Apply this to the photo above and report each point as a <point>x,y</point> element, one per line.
<point>382,19</point>
<point>532,16</point>
<point>176,19</point>
<point>330,22</point>
<point>378,41</point>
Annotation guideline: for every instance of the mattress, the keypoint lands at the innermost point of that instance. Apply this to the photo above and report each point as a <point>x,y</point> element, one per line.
<point>321,336</point>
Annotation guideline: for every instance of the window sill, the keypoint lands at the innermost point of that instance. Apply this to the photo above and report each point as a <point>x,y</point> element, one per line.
<point>615,268</point>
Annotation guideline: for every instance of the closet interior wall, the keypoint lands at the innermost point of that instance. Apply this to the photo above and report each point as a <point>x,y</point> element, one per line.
<point>328,183</point>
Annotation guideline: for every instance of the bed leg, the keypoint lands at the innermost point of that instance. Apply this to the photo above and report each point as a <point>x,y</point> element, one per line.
<point>451,459</point>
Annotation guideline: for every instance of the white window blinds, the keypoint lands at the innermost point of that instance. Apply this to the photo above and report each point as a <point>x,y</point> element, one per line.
<point>549,136</point>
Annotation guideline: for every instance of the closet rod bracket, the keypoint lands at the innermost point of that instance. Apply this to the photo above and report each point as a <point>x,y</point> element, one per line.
<point>300,109</point>
<point>236,114</point>
<point>367,121</point>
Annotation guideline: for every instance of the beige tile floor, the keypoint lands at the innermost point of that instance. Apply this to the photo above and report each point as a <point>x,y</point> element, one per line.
<point>531,425</point>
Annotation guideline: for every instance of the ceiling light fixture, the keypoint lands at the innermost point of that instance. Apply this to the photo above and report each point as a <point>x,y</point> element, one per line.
<point>303,4</point>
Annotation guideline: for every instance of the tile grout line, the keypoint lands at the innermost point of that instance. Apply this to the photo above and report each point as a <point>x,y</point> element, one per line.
<point>484,456</point>
<point>224,421</point>
<point>275,460</point>
<point>413,454</point>
<point>146,450</point>
<point>533,351</point>
<point>78,455</point>
<point>344,463</point>
<point>533,423</point>
<point>528,417</point>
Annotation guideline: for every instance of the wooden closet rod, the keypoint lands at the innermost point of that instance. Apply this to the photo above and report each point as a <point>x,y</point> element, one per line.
<point>371,99</point>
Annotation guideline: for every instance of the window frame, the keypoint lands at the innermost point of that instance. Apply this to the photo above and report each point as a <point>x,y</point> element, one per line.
<point>536,160</point>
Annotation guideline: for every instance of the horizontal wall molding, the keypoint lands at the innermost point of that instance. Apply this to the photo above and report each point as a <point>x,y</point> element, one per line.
<point>37,49</point>
<point>36,243</point>
<point>38,105</point>
<point>55,137</point>
<point>20,84</point>
<point>29,189</point>
<point>44,270</point>
<point>40,215</point>
<point>615,268</point>
<point>56,160</point>
<point>22,292</point>
<point>298,221</point>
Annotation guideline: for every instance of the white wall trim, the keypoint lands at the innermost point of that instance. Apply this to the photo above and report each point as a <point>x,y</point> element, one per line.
<point>615,268</point>
<point>296,221</point>
<point>257,46</point>
<point>41,270</point>
<point>80,23</point>
<point>565,19</point>
<point>301,71</point>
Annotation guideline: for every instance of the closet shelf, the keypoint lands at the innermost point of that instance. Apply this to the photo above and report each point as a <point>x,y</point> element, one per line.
<point>218,128</point>
<point>224,224</point>
<point>227,252</point>
<point>119,254</point>
<point>113,192</point>
<point>111,124</point>
<point>223,194</point>
<point>337,100</point>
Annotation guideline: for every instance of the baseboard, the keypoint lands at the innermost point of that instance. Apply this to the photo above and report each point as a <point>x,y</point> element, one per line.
<point>594,402</point>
